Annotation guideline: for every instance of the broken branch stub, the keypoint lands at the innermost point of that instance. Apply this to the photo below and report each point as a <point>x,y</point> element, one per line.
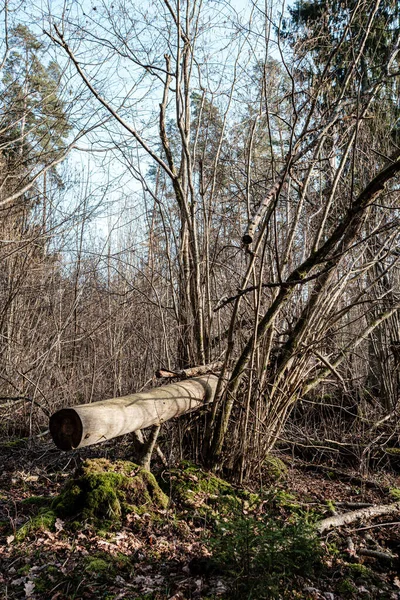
<point>248,236</point>
<point>89,424</point>
<point>191,372</point>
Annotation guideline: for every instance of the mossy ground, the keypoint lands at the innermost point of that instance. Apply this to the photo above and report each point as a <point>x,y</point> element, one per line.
<point>14,444</point>
<point>204,495</point>
<point>108,533</point>
<point>43,521</point>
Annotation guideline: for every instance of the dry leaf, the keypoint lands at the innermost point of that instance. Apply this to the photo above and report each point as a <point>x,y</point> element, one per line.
<point>59,525</point>
<point>29,588</point>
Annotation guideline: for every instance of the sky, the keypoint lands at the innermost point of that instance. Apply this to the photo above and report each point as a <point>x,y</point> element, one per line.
<point>103,174</point>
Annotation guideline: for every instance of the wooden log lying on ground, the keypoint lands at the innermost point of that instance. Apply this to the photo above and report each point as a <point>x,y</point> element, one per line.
<point>362,514</point>
<point>89,424</point>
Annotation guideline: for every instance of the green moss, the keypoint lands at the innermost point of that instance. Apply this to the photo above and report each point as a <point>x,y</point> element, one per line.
<point>395,494</point>
<point>190,486</point>
<point>358,570</point>
<point>44,581</point>
<point>331,506</point>
<point>107,566</point>
<point>44,521</point>
<point>122,562</point>
<point>69,501</point>
<point>206,495</point>
<point>187,482</point>
<point>42,585</point>
<point>14,444</point>
<point>104,492</point>
<point>282,498</point>
<point>37,501</point>
<point>274,468</point>
<point>347,588</point>
<point>97,565</point>
<point>24,570</point>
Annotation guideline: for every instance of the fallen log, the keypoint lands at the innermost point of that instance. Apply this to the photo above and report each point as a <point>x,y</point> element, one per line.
<point>362,514</point>
<point>89,424</point>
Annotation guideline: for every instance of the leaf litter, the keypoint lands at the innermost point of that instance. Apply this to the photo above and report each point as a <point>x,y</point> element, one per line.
<point>158,556</point>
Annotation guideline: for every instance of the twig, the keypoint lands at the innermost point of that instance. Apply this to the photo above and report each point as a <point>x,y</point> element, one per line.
<point>376,554</point>
<point>281,284</point>
<point>25,399</point>
<point>376,525</point>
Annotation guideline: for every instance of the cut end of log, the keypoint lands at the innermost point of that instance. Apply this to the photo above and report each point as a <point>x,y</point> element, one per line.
<point>66,429</point>
<point>247,239</point>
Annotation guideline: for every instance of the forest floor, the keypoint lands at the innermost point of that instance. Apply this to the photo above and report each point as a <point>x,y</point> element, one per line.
<point>213,540</point>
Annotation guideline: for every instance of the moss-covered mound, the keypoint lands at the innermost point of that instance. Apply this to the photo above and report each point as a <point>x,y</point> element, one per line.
<point>274,468</point>
<point>205,494</point>
<point>104,492</point>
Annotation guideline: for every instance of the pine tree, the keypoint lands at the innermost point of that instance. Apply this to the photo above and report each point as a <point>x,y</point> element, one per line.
<point>33,121</point>
<point>33,131</point>
<point>335,34</point>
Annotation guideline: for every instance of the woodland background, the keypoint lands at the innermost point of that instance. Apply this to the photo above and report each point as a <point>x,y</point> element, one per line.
<point>190,182</point>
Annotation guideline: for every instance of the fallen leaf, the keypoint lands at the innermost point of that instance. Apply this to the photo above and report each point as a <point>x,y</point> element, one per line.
<point>59,525</point>
<point>10,539</point>
<point>29,588</point>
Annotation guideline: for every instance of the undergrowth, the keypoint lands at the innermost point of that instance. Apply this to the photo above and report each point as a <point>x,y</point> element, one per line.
<point>264,554</point>
<point>199,537</point>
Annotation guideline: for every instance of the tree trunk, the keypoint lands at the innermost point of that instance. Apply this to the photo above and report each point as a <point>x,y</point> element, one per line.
<point>89,424</point>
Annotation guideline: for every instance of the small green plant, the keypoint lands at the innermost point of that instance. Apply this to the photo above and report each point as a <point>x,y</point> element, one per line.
<point>331,506</point>
<point>262,552</point>
<point>332,549</point>
<point>347,588</point>
<point>44,521</point>
<point>358,570</point>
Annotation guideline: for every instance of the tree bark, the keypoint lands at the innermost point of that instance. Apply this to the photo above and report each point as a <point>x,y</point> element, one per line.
<point>89,424</point>
<point>143,449</point>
